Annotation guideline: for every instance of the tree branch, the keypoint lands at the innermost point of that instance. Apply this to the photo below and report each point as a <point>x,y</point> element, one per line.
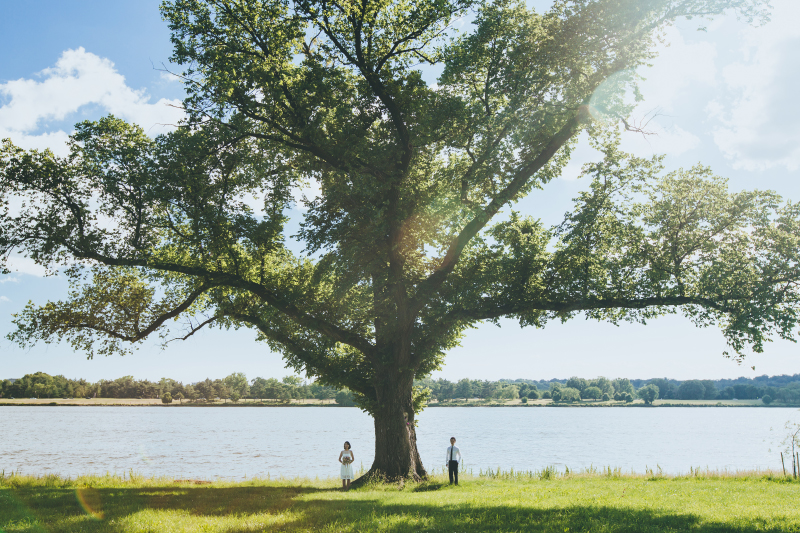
<point>196,329</point>
<point>314,362</point>
<point>589,304</point>
<point>158,322</point>
<point>430,285</point>
<point>377,86</point>
<point>231,280</point>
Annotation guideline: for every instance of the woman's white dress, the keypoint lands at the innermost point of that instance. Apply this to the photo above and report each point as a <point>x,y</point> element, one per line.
<point>347,470</point>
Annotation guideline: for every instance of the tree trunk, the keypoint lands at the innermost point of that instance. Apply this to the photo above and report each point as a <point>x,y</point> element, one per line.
<point>396,454</point>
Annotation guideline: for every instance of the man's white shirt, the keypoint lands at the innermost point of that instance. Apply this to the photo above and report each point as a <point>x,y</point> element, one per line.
<point>456,454</point>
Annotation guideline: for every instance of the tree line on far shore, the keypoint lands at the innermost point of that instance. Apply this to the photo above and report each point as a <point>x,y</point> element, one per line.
<point>573,389</point>
<point>235,387</point>
<point>785,389</point>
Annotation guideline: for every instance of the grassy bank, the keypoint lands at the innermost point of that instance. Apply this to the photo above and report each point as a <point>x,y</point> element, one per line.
<point>543,501</point>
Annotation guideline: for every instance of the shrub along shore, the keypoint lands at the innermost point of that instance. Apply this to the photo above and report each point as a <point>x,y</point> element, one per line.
<point>123,402</point>
<point>292,390</point>
<point>605,500</point>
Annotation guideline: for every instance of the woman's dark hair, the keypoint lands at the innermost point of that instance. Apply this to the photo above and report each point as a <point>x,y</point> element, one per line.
<point>347,445</point>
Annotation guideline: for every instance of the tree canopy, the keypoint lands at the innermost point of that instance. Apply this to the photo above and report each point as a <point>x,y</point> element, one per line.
<point>404,248</point>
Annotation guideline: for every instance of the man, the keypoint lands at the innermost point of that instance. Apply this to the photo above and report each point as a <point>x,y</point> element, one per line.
<point>452,460</point>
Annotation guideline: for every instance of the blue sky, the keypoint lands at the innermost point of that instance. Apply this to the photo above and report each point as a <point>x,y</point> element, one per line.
<point>725,97</point>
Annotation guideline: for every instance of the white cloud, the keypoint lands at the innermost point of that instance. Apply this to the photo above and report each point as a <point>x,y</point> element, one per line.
<point>54,140</point>
<point>4,299</point>
<point>572,171</point>
<point>25,265</point>
<point>672,140</point>
<point>78,79</point>
<point>679,68</point>
<point>10,279</point>
<point>169,77</point>
<point>582,153</point>
<point>756,120</point>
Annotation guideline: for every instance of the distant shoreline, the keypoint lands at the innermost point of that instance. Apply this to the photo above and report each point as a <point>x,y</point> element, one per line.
<point>132,402</point>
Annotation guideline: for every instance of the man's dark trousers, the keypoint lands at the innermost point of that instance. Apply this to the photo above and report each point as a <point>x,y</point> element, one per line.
<point>453,471</point>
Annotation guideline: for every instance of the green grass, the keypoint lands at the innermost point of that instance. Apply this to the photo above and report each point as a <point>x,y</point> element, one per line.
<point>542,501</point>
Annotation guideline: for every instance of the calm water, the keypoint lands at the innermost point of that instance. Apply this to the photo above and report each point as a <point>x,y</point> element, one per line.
<point>208,442</point>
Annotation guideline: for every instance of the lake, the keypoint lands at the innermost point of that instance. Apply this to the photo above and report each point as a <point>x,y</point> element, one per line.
<point>214,442</point>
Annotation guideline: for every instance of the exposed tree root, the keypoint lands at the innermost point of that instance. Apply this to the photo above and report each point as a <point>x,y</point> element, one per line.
<point>374,476</point>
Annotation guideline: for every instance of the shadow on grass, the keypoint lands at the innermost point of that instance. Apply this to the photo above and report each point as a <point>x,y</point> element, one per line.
<point>428,487</point>
<point>409,518</point>
<point>307,508</point>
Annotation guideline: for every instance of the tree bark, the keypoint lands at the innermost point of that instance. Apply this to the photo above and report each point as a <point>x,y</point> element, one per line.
<point>396,454</point>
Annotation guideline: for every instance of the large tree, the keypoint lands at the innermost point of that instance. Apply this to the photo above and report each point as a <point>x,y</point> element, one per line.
<point>404,246</point>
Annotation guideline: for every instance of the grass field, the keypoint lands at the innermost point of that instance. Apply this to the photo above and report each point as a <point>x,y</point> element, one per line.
<point>544,501</point>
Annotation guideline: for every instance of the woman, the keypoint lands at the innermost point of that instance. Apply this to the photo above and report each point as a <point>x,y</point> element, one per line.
<point>346,457</point>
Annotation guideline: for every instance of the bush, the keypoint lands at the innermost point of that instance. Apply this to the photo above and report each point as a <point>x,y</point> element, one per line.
<point>767,399</point>
<point>235,397</point>
<point>524,399</point>
<point>546,395</point>
<point>507,392</point>
<point>166,398</point>
<point>345,398</point>
<point>726,393</point>
<point>648,393</point>
<point>591,393</point>
<point>606,397</point>
<point>628,397</point>
<point>692,389</point>
<point>568,394</point>
<point>577,383</point>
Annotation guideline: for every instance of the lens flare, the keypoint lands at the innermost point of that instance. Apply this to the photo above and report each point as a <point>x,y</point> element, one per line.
<point>89,499</point>
<point>610,100</point>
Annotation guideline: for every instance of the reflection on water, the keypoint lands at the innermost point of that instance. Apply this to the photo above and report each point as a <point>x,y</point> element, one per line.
<point>209,442</point>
